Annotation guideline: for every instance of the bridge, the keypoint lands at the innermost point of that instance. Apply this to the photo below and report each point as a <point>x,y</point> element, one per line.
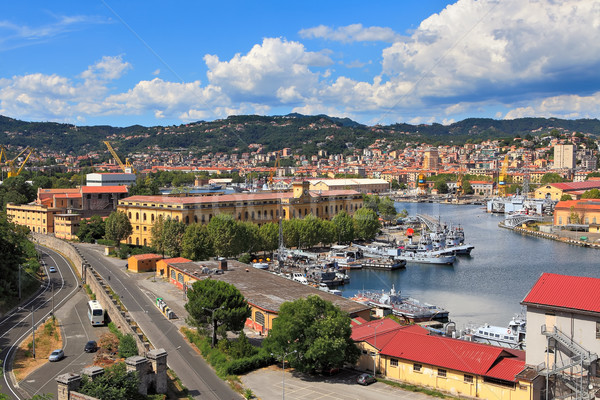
<point>513,220</point>
<point>432,224</point>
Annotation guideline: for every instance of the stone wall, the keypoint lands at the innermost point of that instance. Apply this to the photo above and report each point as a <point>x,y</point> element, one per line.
<point>118,314</point>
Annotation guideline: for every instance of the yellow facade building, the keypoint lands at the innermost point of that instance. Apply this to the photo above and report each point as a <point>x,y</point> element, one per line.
<point>258,208</point>
<point>362,185</point>
<point>577,212</point>
<point>555,191</point>
<point>37,218</point>
<point>463,369</point>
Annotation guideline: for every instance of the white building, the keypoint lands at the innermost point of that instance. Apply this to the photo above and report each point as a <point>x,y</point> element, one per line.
<point>109,179</point>
<point>564,156</point>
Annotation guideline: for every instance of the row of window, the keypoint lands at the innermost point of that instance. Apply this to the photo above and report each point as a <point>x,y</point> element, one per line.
<point>442,373</point>
<point>577,221</point>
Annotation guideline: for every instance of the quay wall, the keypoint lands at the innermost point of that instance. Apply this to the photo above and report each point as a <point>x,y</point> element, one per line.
<point>552,236</point>
<point>88,275</point>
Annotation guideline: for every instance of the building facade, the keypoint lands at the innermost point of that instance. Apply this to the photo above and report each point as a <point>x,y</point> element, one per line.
<point>109,179</point>
<point>258,208</point>
<point>365,185</point>
<point>564,156</point>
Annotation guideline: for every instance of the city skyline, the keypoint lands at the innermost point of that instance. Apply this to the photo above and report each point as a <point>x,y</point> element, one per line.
<point>102,62</point>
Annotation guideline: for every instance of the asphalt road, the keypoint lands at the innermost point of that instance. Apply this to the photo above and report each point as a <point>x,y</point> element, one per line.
<point>190,367</point>
<point>16,326</point>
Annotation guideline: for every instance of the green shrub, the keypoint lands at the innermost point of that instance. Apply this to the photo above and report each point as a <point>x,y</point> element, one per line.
<point>113,328</point>
<point>127,346</point>
<point>106,242</point>
<point>123,252</point>
<point>245,258</point>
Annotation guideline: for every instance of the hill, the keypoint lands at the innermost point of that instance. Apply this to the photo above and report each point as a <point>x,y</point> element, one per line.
<point>301,133</point>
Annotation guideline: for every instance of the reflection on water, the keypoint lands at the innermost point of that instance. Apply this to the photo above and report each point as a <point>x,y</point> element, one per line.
<point>489,285</point>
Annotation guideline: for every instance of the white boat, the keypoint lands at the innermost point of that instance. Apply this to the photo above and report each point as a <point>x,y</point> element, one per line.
<point>426,257</point>
<point>512,336</point>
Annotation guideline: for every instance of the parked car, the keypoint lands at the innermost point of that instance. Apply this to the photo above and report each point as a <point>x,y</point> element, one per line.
<point>56,355</point>
<point>52,269</point>
<point>91,346</point>
<point>365,379</point>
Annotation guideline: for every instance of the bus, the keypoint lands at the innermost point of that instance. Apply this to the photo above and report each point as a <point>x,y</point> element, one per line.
<point>95,313</point>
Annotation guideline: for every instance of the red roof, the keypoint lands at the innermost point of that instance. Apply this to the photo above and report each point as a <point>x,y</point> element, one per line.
<point>368,330</point>
<point>104,189</point>
<point>146,256</point>
<point>574,292</point>
<point>455,354</point>
<point>177,260</point>
<point>569,186</point>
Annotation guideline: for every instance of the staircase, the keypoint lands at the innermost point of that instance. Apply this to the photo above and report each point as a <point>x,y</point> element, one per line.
<point>579,361</point>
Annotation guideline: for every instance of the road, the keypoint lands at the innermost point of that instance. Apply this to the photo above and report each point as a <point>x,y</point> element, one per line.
<point>16,326</point>
<point>190,367</point>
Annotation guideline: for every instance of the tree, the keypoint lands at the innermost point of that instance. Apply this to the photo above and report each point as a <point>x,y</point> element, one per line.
<point>118,227</point>
<point>442,187</point>
<point>127,346</point>
<point>395,185</point>
<point>291,233</point>
<point>196,244</point>
<point>328,232</point>
<point>144,187</point>
<point>366,223</point>
<point>467,188</point>
<point>344,226</point>
<point>249,237</point>
<point>317,330</point>
<point>592,175</point>
<point>591,194</point>
<point>565,197</point>
<point>371,202</point>
<point>310,228</point>
<point>156,234</point>
<point>173,231</point>
<point>115,384</point>
<point>551,177</point>
<point>269,236</point>
<point>387,209</point>
<point>91,230</point>
<point>219,302</point>
<point>225,235</point>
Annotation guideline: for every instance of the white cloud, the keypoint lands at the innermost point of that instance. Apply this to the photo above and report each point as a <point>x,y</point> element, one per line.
<point>351,33</point>
<point>565,106</point>
<point>267,68</point>
<point>108,68</point>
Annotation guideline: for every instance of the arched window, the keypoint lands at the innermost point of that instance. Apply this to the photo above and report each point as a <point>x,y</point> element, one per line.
<point>195,218</point>
<point>271,214</point>
<point>129,214</point>
<point>137,216</point>
<point>180,277</point>
<point>151,217</point>
<point>144,216</point>
<point>305,212</point>
<point>259,318</point>
<point>317,212</point>
<point>129,240</point>
<point>209,217</point>
<point>258,214</point>
<point>246,215</point>
<point>239,216</point>
<point>187,219</point>
<point>252,215</point>
<point>145,242</point>
<point>137,241</point>
<point>203,220</point>
<point>173,274</point>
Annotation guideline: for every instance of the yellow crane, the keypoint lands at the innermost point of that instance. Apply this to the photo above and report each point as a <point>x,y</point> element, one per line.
<point>459,179</point>
<point>13,168</point>
<point>421,184</point>
<point>502,178</point>
<point>127,167</point>
<point>273,172</point>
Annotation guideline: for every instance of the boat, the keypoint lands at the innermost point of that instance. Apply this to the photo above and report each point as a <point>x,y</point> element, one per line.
<point>385,264</point>
<point>426,257</point>
<point>260,265</point>
<point>512,336</point>
<point>411,310</point>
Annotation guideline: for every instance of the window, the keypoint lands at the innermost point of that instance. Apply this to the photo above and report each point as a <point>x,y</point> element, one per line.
<point>468,378</point>
<point>173,274</point>
<point>417,367</point>
<point>560,220</point>
<point>441,373</point>
<point>597,329</point>
<point>259,318</point>
<point>394,362</point>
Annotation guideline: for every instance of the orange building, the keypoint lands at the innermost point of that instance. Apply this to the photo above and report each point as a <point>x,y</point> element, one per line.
<point>143,262</point>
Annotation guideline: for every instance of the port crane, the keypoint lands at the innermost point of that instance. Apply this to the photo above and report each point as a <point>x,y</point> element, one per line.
<point>273,172</point>
<point>421,184</point>
<point>502,178</point>
<point>14,169</point>
<point>127,167</point>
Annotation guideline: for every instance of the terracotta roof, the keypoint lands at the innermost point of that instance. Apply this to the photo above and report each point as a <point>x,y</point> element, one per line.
<point>104,189</point>
<point>574,292</point>
<point>368,329</point>
<point>568,186</point>
<point>507,369</point>
<point>67,195</point>
<point>177,260</point>
<point>455,354</point>
<point>146,256</point>
<point>586,203</point>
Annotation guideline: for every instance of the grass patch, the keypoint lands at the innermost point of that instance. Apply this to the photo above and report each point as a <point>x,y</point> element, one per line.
<point>417,389</point>
<point>47,339</point>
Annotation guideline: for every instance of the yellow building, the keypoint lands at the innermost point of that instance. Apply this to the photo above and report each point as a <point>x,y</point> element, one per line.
<point>362,185</point>
<point>36,217</point>
<point>66,225</point>
<point>555,191</point>
<point>143,262</point>
<point>409,354</point>
<point>258,208</point>
<point>577,212</point>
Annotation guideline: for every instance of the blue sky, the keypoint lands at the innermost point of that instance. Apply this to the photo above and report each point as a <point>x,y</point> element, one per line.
<point>163,63</point>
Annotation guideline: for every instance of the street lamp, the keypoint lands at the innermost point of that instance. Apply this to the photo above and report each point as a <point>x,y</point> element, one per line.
<point>32,328</point>
<point>285,354</point>
<point>375,346</point>
<point>214,332</point>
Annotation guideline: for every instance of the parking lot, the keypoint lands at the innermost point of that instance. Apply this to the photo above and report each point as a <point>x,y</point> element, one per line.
<point>266,384</point>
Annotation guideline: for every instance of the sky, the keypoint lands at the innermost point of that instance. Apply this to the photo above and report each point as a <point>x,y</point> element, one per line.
<point>119,63</point>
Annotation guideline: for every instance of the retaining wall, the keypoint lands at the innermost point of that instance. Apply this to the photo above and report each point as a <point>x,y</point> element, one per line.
<point>118,314</point>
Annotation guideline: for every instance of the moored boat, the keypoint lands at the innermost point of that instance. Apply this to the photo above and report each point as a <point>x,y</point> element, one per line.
<point>512,336</point>
<point>410,309</point>
<point>385,264</point>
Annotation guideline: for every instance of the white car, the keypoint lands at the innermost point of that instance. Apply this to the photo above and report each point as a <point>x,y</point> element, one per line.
<point>52,269</point>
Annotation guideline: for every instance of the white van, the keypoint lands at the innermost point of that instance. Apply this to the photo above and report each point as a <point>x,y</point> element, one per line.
<point>298,277</point>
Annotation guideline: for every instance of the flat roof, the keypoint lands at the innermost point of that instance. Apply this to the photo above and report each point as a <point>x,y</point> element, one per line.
<point>264,289</point>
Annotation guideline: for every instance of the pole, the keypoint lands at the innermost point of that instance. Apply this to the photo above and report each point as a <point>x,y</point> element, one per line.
<point>33,330</point>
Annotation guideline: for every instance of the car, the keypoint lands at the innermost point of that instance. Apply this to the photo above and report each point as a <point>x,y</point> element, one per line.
<point>365,379</point>
<point>91,346</point>
<point>56,355</point>
<point>52,269</point>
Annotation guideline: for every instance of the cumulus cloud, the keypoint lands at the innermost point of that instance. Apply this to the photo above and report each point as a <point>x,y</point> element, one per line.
<point>564,106</point>
<point>351,33</point>
<point>266,70</point>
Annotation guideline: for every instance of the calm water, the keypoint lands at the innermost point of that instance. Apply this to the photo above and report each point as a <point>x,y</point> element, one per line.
<point>489,285</point>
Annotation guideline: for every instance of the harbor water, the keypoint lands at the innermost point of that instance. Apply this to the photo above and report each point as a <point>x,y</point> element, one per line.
<point>489,285</point>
